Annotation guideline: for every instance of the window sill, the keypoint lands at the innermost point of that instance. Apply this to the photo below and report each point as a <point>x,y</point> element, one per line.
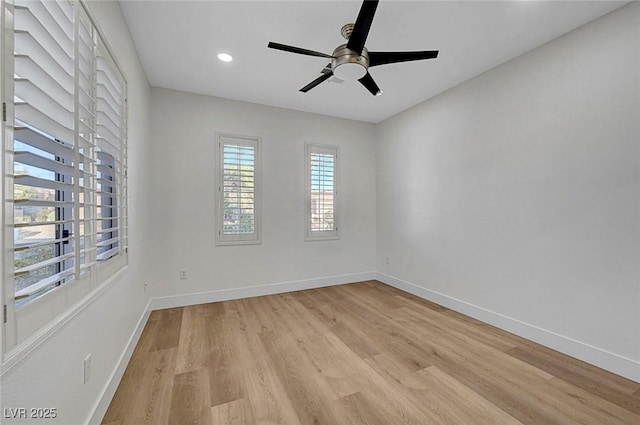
<point>321,238</point>
<point>233,243</point>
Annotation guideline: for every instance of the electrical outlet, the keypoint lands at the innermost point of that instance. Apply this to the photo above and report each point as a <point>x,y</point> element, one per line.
<point>87,368</point>
<point>388,260</point>
<point>145,286</point>
<point>183,274</point>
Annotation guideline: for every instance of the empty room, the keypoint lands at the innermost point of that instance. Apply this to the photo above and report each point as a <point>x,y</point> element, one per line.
<point>320,212</point>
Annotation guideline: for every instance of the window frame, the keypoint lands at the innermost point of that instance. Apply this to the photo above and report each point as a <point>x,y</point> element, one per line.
<point>325,235</point>
<point>254,238</point>
<point>30,324</point>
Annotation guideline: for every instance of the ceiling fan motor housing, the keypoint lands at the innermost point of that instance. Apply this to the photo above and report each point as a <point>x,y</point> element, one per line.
<point>349,65</point>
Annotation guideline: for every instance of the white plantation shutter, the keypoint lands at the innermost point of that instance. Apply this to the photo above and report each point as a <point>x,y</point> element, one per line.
<point>85,227</point>
<point>44,144</point>
<point>69,159</point>
<point>111,154</point>
<point>238,189</point>
<point>321,197</point>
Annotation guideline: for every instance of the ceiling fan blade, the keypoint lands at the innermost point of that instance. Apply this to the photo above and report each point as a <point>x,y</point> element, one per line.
<point>370,85</point>
<point>361,27</point>
<point>324,76</point>
<point>381,58</point>
<point>298,50</point>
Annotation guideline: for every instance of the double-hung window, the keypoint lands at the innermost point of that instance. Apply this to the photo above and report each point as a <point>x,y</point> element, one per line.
<point>238,189</point>
<point>65,161</point>
<point>321,192</point>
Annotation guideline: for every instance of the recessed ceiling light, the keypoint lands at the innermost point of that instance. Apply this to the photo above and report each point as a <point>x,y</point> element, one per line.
<point>224,57</point>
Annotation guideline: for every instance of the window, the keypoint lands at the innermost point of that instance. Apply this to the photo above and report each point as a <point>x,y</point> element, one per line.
<point>322,194</point>
<point>65,136</point>
<point>238,173</point>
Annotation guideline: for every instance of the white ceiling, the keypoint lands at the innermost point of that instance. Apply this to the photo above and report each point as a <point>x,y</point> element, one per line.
<point>178,42</point>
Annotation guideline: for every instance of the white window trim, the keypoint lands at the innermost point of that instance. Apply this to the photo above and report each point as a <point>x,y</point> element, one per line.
<point>310,236</point>
<point>254,238</point>
<point>71,298</point>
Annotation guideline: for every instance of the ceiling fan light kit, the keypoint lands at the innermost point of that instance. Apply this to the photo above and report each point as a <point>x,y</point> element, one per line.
<point>351,61</point>
<point>347,65</point>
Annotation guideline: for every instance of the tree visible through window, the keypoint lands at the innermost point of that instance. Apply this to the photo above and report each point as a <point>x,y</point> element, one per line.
<point>238,184</point>
<point>238,189</point>
<point>321,162</point>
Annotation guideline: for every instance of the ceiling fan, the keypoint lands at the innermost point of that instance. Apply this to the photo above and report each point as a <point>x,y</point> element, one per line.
<point>351,61</point>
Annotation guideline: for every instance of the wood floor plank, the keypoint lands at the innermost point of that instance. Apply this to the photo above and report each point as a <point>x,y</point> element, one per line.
<point>170,321</point>
<point>237,412</point>
<point>484,335</point>
<point>148,336</point>
<point>153,398</point>
<point>445,399</point>
<point>144,389</point>
<point>588,408</point>
<point>395,372</point>
<point>293,317</point>
<point>372,295</point>
<point>460,404</point>
<point>617,390</point>
<point>225,375</point>
<point>190,399</point>
<point>449,336</point>
<point>325,308</point>
<point>268,399</point>
<point>292,325</point>
<point>319,353</point>
<point>124,399</point>
<point>397,404</point>
<point>356,354</point>
<point>193,342</point>
<point>377,331</point>
<point>362,410</point>
<point>309,394</point>
<point>407,296</point>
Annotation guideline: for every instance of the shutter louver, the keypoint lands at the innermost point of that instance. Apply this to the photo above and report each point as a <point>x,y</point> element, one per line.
<point>85,227</point>
<point>109,144</point>
<point>238,189</point>
<point>238,197</point>
<point>321,192</point>
<point>43,147</point>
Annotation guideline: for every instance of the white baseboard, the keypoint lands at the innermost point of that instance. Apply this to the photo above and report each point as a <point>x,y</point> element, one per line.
<point>256,291</point>
<point>109,390</point>
<point>612,362</point>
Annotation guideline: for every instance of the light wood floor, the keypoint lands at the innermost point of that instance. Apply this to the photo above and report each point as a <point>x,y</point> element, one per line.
<point>355,354</point>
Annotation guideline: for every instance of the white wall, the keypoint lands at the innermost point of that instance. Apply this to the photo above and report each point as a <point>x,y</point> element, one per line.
<point>52,375</point>
<point>183,132</point>
<point>515,196</point>
<point>522,202</point>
